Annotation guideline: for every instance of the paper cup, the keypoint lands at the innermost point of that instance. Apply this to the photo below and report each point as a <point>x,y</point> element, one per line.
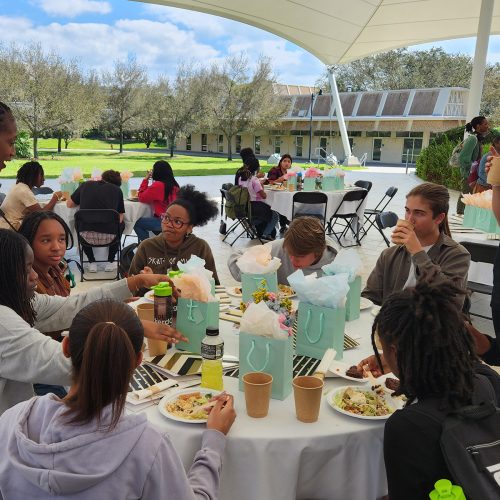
<point>257,393</point>
<point>156,347</point>
<point>146,311</point>
<point>307,392</point>
<point>404,223</point>
<point>133,193</point>
<point>494,173</point>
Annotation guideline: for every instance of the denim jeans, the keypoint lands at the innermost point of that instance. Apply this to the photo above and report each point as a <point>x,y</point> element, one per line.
<point>146,224</point>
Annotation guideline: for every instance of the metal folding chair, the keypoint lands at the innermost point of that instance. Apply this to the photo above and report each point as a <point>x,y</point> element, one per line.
<point>370,213</point>
<point>364,184</point>
<point>310,198</point>
<point>384,220</point>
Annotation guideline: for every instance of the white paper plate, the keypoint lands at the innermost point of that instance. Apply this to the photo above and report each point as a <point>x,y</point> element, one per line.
<point>393,404</point>
<point>375,310</point>
<point>365,303</point>
<point>162,405</point>
<point>338,369</point>
<point>150,296</point>
<point>234,291</point>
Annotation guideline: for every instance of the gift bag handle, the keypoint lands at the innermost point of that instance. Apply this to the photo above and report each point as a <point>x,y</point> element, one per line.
<point>306,328</point>
<point>190,307</point>
<point>268,355</point>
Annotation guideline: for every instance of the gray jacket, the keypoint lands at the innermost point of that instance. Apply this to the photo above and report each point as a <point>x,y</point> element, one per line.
<point>286,267</point>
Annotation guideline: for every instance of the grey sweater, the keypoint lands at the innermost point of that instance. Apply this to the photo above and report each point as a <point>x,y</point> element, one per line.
<point>48,458</point>
<point>28,356</point>
<point>286,267</point>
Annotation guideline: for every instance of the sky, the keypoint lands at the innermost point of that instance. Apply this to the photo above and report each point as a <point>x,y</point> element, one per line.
<point>96,33</point>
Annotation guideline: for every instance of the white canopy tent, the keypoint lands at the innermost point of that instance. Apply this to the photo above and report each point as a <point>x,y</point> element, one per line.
<point>339,31</point>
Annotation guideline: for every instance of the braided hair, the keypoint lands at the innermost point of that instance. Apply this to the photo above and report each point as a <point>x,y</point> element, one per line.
<point>6,116</point>
<point>29,173</point>
<point>32,221</point>
<point>435,353</point>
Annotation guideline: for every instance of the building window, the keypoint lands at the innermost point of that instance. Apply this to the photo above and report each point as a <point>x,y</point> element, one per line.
<point>204,146</point>
<point>377,133</point>
<point>188,143</point>
<point>277,144</point>
<point>220,143</point>
<point>238,143</point>
<point>409,134</point>
<point>299,142</point>
<point>354,133</point>
<point>411,150</point>
<point>256,146</point>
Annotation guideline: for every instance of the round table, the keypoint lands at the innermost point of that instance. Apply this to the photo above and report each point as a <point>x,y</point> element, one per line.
<point>280,458</point>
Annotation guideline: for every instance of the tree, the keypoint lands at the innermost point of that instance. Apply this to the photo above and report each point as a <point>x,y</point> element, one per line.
<point>238,101</point>
<point>45,92</point>
<point>490,103</point>
<point>125,96</point>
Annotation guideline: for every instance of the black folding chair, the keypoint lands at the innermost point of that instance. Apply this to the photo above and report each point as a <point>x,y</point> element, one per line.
<point>364,184</point>
<point>319,200</point>
<point>92,220</point>
<point>349,218</point>
<point>242,218</point>
<point>384,220</point>
<point>480,252</point>
<point>223,225</point>
<point>370,213</point>
<point>41,190</point>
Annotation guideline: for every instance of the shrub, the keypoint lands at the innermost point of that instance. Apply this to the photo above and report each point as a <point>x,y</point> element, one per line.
<point>23,145</point>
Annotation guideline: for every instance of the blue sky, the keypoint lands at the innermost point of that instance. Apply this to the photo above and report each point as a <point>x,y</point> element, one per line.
<point>96,33</point>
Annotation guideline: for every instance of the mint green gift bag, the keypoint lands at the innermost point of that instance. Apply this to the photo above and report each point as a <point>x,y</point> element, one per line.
<point>267,355</point>
<point>353,300</point>
<point>329,183</point>
<point>469,216</point>
<point>251,282</point>
<point>193,318</point>
<point>318,329</point>
<point>309,184</point>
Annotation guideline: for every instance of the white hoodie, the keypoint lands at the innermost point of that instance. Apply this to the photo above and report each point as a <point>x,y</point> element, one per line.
<point>44,457</point>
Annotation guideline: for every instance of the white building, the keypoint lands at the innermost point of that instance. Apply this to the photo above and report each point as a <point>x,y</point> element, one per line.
<point>390,126</point>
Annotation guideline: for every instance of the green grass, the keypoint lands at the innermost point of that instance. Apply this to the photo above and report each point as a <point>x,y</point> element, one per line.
<point>94,144</point>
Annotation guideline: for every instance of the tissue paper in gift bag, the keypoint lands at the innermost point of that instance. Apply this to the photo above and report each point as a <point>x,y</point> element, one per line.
<point>353,300</point>
<point>268,355</point>
<point>251,282</point>
<point>309,184</point>
<point>193,318</point>
<point>320,328</point>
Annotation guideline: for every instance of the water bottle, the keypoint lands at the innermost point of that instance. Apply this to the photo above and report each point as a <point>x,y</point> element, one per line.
<point>212,350</point>
<point>163,306</point>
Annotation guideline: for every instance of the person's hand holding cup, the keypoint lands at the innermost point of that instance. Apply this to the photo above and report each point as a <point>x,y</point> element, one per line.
<point>404,234</point>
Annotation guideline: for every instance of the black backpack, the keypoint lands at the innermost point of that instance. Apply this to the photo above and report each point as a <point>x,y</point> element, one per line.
<point>126,259</point>
<point>470,442</point>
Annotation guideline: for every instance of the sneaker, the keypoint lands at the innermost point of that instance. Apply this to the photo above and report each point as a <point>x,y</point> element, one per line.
<point>93,267</point>
<point>267,237</point>
<point>110,267</point>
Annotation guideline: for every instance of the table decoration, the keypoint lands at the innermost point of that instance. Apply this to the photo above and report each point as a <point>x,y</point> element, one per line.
<point>125,176</point>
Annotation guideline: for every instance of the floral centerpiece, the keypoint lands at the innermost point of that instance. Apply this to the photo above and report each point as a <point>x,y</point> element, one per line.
<point>125,176</point>
<point>277,303</point>
<point>70,179</point>
<point>311,176</point>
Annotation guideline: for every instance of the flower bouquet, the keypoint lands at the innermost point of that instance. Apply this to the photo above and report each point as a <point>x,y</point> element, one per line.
<point>310,177</point>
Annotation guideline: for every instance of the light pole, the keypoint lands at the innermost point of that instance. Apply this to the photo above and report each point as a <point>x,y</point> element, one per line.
<point>320,92</point>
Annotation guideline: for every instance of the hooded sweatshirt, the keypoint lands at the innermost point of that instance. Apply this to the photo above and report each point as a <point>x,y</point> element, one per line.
<point>47,458</point>
<point>286,267</point>
<point>155,253</point>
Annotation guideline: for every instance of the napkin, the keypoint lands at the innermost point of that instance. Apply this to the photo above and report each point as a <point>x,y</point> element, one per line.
<point>194,283</point>
<point>154,389</point>
<point>346,261</point>
<point>326,291</point>
<point>258,319</point>
<point>195,265</point>
<point>258,260</point>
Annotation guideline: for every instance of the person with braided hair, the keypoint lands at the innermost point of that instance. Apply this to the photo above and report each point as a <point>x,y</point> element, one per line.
<point>427,346</point>
<point>423,246</point>
<point>8,134</point>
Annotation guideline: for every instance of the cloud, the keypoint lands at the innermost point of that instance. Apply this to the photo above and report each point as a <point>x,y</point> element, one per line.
<point>73,8</point>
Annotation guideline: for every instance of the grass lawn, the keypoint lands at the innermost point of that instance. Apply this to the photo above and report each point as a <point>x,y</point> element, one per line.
<point>95,144</point>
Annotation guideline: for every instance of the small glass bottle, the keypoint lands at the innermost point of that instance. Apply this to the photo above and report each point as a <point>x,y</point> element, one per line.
<point>163,305</point>
<point>212,350</point>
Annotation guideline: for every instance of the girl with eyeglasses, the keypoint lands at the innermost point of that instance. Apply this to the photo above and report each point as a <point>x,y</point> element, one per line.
<point>177,243</point>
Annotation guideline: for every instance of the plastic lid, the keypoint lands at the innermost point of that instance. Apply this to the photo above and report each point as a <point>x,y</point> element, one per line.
<point>173,274</point>
<point>212,331</point>
<point>162,289</point>
<point>444,489</point>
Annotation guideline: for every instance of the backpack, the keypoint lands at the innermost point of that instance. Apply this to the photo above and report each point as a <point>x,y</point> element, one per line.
<point>454,158</point>
<point>237,202</point>
<point>473,174</point>
<point>470,442</point>
<point>126,259</point>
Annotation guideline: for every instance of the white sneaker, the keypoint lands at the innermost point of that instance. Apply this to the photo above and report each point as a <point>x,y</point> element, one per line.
<point>110,267</point>
<point>93,267</point>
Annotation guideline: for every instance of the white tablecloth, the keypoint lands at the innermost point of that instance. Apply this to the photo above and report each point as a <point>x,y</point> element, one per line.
<point>280,458</point>
<point>134,210</point>
<point>282,202</point>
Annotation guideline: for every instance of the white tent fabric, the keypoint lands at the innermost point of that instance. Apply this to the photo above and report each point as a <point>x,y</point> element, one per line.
<point>340,31</point>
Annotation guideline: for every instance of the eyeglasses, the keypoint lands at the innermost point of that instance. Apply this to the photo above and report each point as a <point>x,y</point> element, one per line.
<point>176,223</point>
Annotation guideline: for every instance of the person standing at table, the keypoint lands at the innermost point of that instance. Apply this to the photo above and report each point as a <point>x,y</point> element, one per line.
<point>21,201</point>
<point>471,152</point>
<point>304,246</point>
<point>85,446</point>
<point>177,243</point>
<point>160,193</point>
<point>427,346</point>
<point>423,248</point>
<point>278,175</point>
<point>103,194</point>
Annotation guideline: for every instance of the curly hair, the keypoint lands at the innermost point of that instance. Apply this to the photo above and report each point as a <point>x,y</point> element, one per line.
<point>112,176</point>
<point>197,204</point>
<point>435,352</point>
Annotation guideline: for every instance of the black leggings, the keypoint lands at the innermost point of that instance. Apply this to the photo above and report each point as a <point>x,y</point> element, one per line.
<point>494,356</point>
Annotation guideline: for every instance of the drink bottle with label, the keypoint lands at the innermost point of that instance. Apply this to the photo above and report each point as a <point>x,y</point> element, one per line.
<point>212,350</point>
<point>163,306</point>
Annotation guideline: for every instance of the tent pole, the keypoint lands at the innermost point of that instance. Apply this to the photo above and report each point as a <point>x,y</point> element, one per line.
<point>349,158</point>
<point>478,69</point>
